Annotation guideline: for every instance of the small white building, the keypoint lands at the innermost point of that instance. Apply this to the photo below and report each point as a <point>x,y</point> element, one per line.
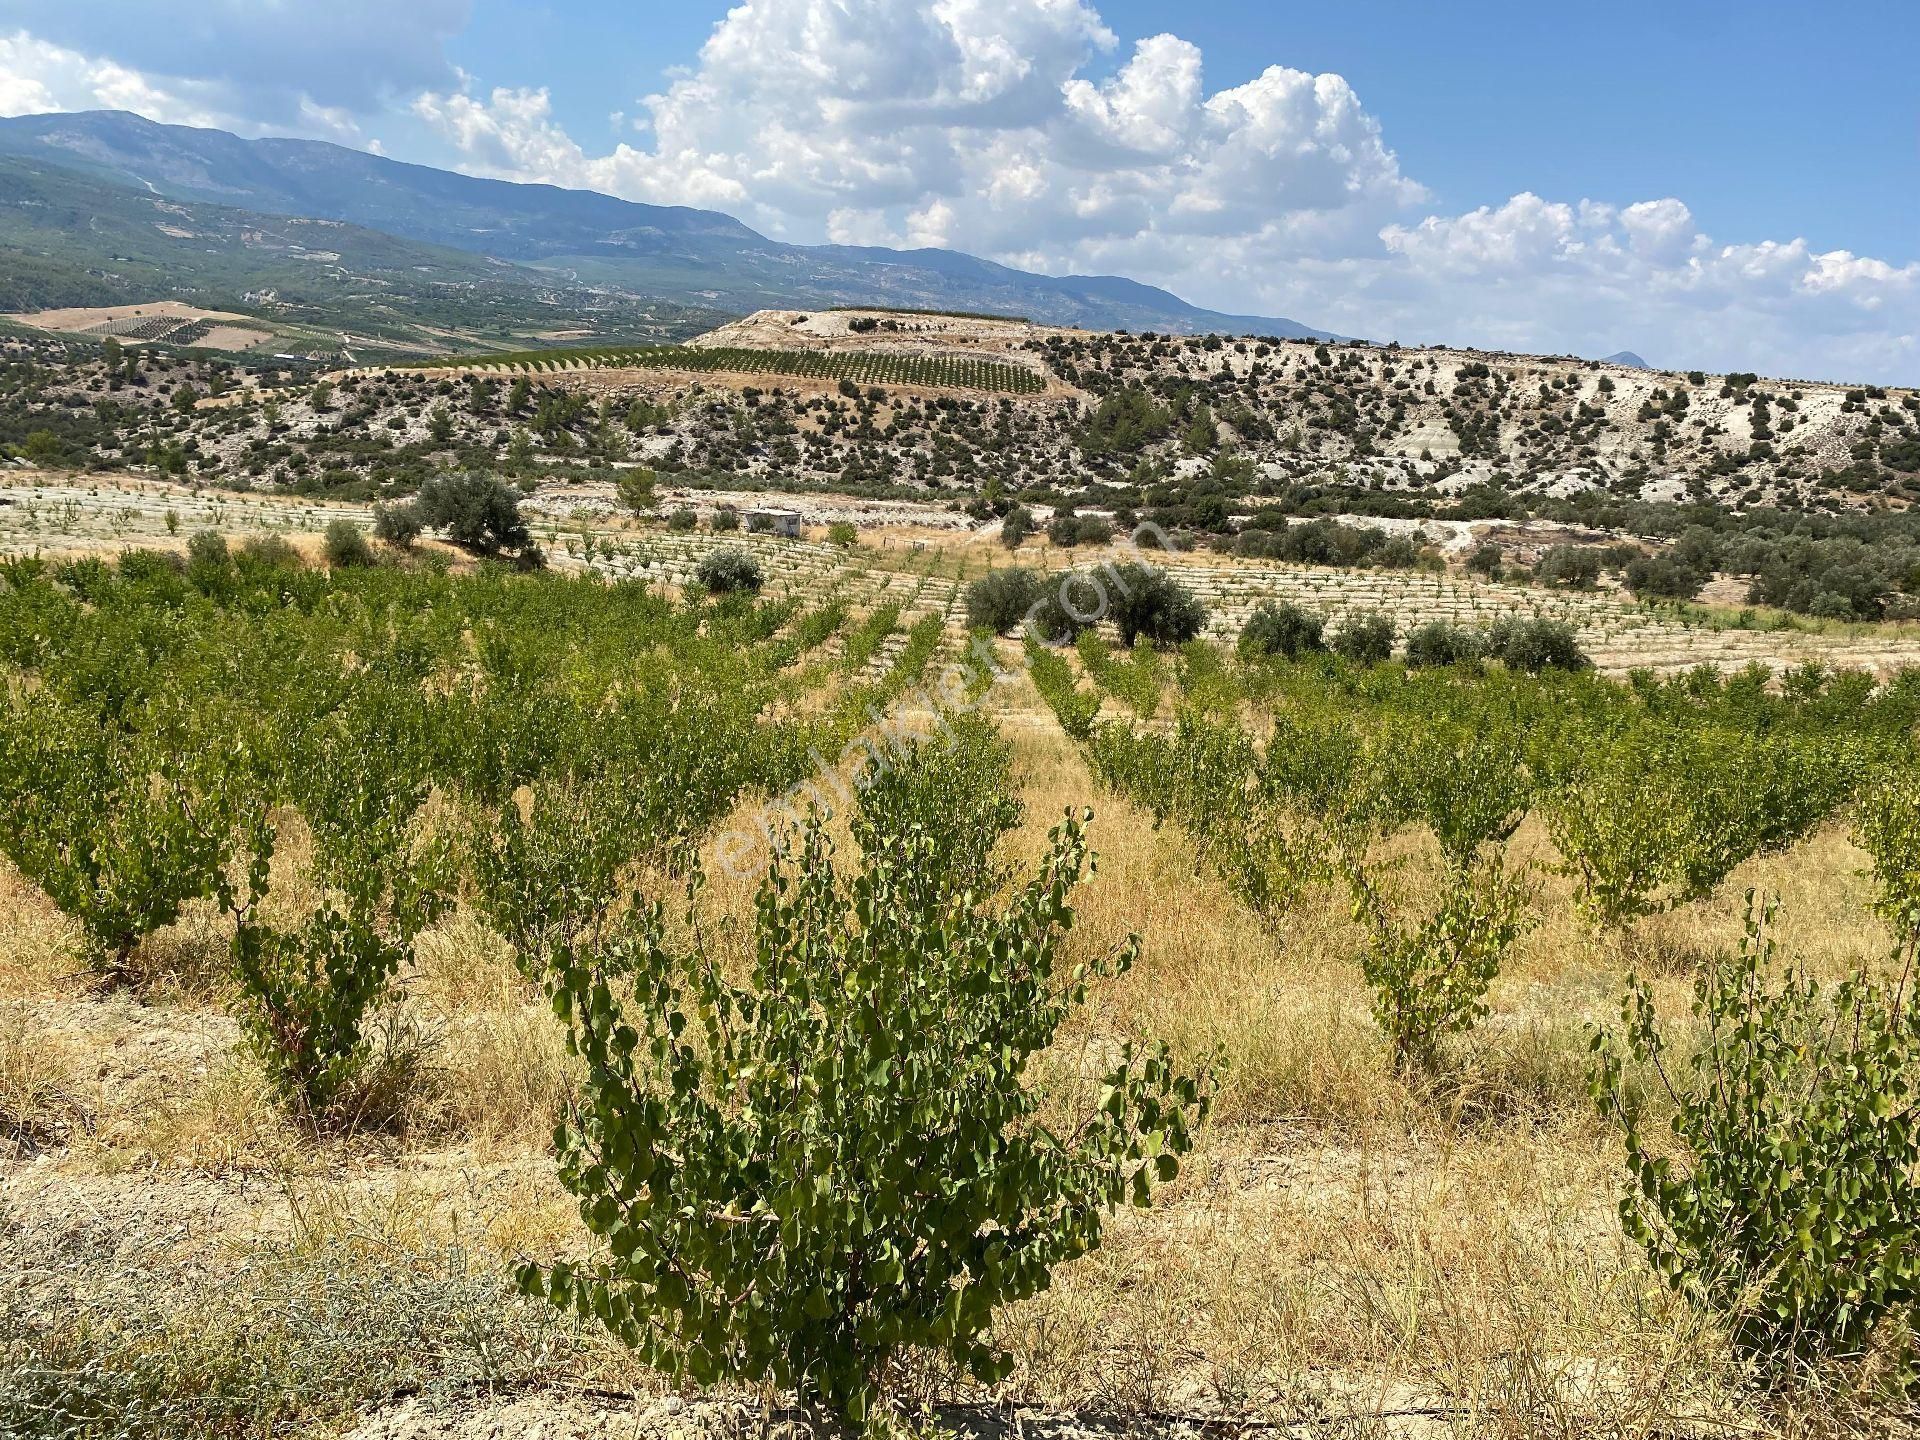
<point>773,522</point>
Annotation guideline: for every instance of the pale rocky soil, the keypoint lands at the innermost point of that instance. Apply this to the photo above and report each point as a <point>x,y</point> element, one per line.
<point>922,558</point>
<point>240,332</point>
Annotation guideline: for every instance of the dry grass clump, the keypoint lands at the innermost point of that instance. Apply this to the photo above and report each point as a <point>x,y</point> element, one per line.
<point>220,1121</point>
<point>187,962</point>
<point>1346,1242</point>
<point>1484,1283</point>
<point>108,1333</point>
<point>39,946</point>
<point>41,1100</point>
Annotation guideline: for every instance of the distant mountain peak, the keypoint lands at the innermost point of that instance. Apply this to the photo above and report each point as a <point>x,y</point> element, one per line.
<point>599,241</point>
<point>1626,358</point>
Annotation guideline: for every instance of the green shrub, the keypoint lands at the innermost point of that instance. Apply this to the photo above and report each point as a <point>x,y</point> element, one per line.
<point>798,1176</point>
<point>270,552</point>
<point>1569,567</point>
<point>1786,1205</point>
<point>634,490</point>
<point>478,512</point>
<point>1053,678</point>
<point>1663,577</point>
<point>1068,603</point>
<point>1365,639</point>
<point>1071,530</point>
<point>1148,604</point>
<point>1283,629</point>
<point>308,990</point>
<point>843,533</point>
<point>1002,599</point>
<point>730,570</point>
<point>1436,644</point>
<point>1430,978</point>
<point>1017,526</point>
<point>1659,814</point>
<point>345,545</point>
<point>725,518</point>
<point>1486,560</point>
<point>1534,645</point>
<point>683,519</point>
<point>207,549</point>
<point>120,830</point>
<point>397,525</point>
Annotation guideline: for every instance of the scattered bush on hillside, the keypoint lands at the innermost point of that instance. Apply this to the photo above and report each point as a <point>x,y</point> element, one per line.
<point>1069,530</point>
<point>1365,639</point>
<point>208,549</point>
<point>345,545</point>
<point>270,552</point>
<point>1436,644</point>
<point>1535,644</point>
<point>1017,526</point>
<point>1284,629</point>
<point>1663,577</point>
<point>634,490</point>
<point>397,525</point>
<point>1147,603</point>
<point>1002,599</point>
<point>730,570</point>
<point>478,512</point>
<point>1569,567</point>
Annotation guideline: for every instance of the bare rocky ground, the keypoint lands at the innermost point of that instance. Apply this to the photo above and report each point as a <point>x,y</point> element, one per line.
<point>922,555</point>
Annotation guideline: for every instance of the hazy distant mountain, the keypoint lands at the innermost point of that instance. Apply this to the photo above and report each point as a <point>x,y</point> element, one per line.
<point>1627,358</point>
<point>691,256</point>
<point>66,239</point>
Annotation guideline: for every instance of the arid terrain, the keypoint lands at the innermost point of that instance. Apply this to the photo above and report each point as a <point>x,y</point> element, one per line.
<point>1356,1246</point>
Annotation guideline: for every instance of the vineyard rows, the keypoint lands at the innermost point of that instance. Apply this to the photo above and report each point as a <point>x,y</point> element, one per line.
<point>865,367</point>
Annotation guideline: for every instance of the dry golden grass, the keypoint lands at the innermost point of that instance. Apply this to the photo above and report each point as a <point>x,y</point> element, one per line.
<point>40,1092</point>
<point>1343,1242</point>
<point>38,945</point>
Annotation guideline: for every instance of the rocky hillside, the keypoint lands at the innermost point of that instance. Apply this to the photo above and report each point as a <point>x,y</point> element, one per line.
<point>1446,420</point>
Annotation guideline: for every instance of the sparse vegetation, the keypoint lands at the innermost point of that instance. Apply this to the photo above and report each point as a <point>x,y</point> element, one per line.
<point>727,571</point>
<point>346,832</point>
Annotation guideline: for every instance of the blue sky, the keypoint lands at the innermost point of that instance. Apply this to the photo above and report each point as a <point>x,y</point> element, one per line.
<point>1734,187</point>
<point>1768,118</point>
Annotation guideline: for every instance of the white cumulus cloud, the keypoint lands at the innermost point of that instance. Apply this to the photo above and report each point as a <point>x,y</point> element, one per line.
<point>1025,131</point>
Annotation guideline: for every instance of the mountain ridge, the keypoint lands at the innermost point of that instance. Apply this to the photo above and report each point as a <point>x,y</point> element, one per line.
<point>675,252</point>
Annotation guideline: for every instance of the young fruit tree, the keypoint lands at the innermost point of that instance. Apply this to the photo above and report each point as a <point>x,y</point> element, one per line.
<point>121,830</point>
<point>796,1177</point>
<point>1782,1202</point>
<point>309,986</point>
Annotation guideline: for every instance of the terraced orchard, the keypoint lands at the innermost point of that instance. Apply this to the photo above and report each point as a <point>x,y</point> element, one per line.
<point>946,372</point>
<point>1617,633</point>
<point>440,999</point>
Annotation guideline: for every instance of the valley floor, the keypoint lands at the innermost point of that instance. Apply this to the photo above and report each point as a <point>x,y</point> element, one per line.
<point>1344,1255</point>
<point>931,552</point>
